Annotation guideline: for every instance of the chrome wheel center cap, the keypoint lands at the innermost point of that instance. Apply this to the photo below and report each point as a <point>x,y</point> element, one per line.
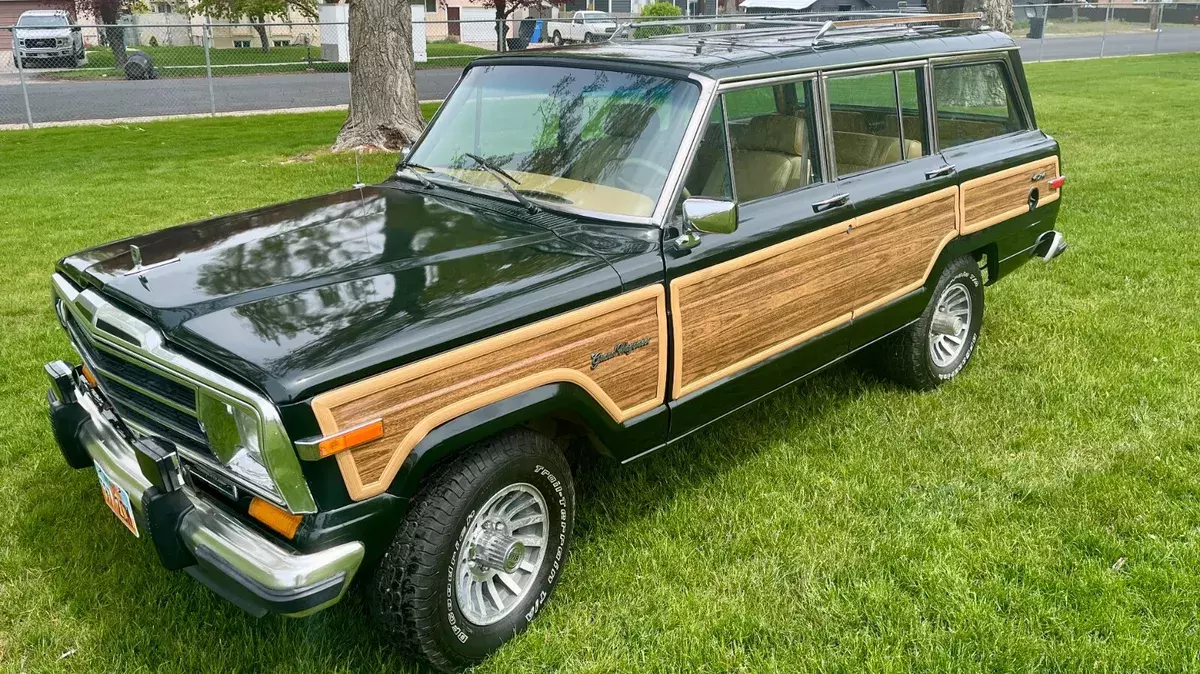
<point>495,550</point>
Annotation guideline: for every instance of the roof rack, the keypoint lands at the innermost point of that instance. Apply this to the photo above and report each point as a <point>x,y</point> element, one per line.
<point>728,29</point>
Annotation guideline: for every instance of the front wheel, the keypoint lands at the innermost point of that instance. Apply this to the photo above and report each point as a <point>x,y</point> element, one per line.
<point>941,342</point>
<point>479,552</point>
<point>587,37</point>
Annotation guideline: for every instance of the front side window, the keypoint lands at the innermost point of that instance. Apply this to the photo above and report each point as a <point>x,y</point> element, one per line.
<point>974,102</point>
<point>876,119</point>
<point>599,140</point>
<point>771,137</point>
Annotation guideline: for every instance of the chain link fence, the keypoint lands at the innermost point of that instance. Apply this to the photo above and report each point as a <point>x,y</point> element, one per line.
<point>172,65</point>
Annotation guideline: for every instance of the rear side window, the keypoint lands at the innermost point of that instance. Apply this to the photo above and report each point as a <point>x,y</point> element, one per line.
<point>876,119</point>
<point>974,102</point>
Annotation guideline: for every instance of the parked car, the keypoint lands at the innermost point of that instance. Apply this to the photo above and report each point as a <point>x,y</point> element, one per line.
<point>585,26</point>
<point>47,36</point>
<point>638,238</point>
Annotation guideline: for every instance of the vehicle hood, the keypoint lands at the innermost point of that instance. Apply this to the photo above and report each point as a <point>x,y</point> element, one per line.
<point>300,297</point>
<point>29,33</point>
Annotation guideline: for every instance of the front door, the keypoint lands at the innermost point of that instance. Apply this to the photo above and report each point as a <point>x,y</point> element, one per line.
<point>756,309</point>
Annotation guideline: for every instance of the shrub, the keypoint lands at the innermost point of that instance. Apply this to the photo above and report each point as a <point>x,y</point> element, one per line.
<point>655,11</point>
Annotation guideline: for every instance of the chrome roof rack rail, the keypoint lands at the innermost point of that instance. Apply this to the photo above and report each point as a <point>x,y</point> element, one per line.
<point>728,29</point>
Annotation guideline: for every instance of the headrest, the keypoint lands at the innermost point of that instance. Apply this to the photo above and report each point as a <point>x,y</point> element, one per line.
<point>775,133</point>
<point>628,120</point>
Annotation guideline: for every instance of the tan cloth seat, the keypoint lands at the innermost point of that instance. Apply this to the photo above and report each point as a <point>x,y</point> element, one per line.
<point>770,157</point>
<point>862,151</point>
<point>623,124</point>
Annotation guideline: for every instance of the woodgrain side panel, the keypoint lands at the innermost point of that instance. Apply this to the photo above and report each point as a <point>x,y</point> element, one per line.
<point>414,399</point>
<point>999,196</point>
<point>741,312</point>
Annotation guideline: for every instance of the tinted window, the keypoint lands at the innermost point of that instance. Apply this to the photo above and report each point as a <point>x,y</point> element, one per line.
<point>974,102</point>
<point>876,119</point>
<point>771,133</point>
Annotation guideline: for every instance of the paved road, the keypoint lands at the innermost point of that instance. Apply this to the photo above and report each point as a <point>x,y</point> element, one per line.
<point>1053,48</point>
<point>53,101</point>
<point>63,101</point>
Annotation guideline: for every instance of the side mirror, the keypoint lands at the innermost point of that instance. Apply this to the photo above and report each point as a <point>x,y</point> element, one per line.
<point>76,29</point>
<point>713,216</point>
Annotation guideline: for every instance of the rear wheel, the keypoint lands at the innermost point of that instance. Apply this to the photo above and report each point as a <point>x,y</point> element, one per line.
<point>941,342</point>
<point>558,41</point>
<point>479,553</point>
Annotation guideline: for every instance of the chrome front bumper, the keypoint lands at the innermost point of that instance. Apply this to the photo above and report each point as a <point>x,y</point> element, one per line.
<point>230,557</point>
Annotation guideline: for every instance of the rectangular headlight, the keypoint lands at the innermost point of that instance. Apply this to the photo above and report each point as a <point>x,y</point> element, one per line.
<point>233,435</point>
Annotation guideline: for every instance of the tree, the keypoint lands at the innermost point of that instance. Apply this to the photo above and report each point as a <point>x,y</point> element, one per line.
<point>659,11</point>
<point>256,12</point>
<point>109,12</point>
<point>998,14</point>
<point>505,9</point>
<point>384,112</point>
<point>976,86</point>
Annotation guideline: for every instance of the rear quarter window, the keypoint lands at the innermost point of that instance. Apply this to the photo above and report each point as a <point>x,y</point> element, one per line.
<point>974,102</point>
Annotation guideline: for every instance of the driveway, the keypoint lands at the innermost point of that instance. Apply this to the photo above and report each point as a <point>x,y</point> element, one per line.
<point>111,99</point>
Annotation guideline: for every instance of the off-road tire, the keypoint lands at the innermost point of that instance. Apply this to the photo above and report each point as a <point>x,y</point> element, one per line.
<point>412,594</point>
<point>907,357</point>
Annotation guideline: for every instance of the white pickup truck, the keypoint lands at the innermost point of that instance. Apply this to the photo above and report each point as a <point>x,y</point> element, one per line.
<point>586,26</point>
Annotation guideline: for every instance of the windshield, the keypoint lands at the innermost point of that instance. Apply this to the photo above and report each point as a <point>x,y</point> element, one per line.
<point>48,21</point>
<point>598,140</point>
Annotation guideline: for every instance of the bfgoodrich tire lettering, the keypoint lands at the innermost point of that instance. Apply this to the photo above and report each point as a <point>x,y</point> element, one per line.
<point>413,593</point>
<point>909,356</point>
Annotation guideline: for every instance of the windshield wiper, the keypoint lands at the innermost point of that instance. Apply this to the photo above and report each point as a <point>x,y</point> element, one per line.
<point>411,170</point>
<point>500,174</point>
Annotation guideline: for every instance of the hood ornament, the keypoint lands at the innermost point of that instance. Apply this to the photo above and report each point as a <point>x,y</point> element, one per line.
<point>135,254</point>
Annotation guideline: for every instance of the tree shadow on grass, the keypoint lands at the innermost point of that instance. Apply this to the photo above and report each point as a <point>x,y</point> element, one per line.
<point>125,608</point>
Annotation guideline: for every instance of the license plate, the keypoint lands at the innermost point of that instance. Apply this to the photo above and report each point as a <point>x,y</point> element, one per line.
<point>117,500</point>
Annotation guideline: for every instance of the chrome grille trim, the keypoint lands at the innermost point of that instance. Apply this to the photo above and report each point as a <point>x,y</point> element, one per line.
<point>150,352</point>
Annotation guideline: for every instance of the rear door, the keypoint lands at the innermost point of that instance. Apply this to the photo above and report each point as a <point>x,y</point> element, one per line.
<point>904,192</point>
<point>1004,163</point>
<point>760,307</point>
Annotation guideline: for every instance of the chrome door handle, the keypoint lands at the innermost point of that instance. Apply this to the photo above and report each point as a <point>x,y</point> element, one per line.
<point>831,202</point>
<point>940,172</point>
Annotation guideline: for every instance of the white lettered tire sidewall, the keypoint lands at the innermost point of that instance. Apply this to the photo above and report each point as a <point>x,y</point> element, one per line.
<point>971,280</point>
<point>553,481</point>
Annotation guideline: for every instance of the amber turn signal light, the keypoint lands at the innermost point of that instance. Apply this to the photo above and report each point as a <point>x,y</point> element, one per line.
<point>351,437</point>
<point>88,376</point>
<point>275,518</point>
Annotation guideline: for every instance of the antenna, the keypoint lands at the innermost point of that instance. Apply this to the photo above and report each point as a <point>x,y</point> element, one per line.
<point>358,183</point>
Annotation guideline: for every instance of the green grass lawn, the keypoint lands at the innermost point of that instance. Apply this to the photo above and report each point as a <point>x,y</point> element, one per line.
<point>189,61</point>
<point>1040,513</point>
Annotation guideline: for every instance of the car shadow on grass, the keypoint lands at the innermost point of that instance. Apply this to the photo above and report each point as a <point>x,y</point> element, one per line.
<point>128,609</point>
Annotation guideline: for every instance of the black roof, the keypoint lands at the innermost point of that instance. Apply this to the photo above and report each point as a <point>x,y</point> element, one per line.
<point>724,54</point>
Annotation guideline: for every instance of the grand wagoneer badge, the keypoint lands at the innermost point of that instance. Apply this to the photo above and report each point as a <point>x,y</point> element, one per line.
<point>620,349</point>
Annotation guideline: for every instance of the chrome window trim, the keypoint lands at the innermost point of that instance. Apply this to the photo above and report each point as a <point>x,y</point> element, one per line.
<point>692,135</point>
<point>278,455</point>
<point>894,68</point>
<point>709,96</point>
<point>722,89</point>
<point>931,130</point>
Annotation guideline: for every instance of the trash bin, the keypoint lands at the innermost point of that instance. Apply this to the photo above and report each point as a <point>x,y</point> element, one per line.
<point>138,66</point>
<point>1037,26</point>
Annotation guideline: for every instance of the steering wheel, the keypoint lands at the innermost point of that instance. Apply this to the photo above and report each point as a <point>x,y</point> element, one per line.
<point>626,183</point>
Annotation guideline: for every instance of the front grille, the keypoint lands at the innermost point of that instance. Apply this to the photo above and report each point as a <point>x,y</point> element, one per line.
<point>141,396</point>
<point>40,42</point>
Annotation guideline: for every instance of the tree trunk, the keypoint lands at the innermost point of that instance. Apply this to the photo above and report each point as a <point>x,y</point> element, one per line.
<point>262,33</point>
<point>973,87</point>
<point>115,35</point>
<point>384,112</point>
<point>997,14</point>
<point>500,24</point>
<point>731,6</point>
